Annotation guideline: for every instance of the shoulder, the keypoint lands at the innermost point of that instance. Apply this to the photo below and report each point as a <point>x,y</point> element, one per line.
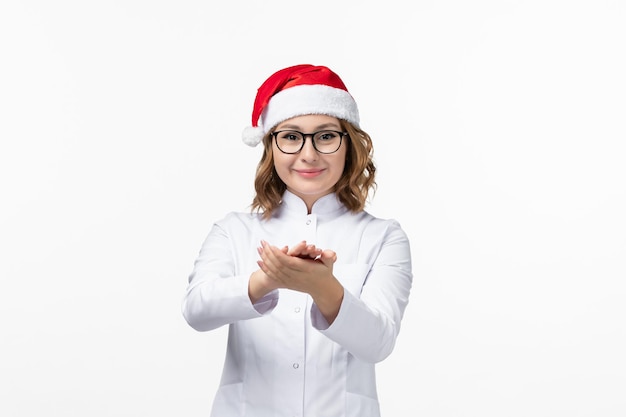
<point>235,218</point>
<point>378,226</point>
<point>378,222</point>
<point>235,225</point>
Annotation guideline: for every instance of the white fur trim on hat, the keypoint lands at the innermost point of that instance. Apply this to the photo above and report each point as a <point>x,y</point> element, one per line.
<point>309,99</point>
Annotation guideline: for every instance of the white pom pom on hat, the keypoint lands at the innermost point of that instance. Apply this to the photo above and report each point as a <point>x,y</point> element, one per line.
<point>252,136</point>
<point>296,91</point>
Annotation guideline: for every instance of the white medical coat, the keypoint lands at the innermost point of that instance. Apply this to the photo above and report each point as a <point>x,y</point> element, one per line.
<point>283,359</point>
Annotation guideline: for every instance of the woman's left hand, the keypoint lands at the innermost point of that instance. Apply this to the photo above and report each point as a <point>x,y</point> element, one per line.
<point>304,268</point>
<point>301,268</point>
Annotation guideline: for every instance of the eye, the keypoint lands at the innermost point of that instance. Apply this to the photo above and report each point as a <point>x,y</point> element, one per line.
<point>290,136</point>
<point>326,136</point>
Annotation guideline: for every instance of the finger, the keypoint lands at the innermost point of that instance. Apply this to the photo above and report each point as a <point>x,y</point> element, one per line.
<point>262,266</point>
<point>259,249</point>
<point>297,248</point>
<point>308,252</point>
<point>328,257</point>
<point>274,260</point>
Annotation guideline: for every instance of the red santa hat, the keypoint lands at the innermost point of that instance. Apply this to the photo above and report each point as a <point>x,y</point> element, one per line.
<point>296,91</point>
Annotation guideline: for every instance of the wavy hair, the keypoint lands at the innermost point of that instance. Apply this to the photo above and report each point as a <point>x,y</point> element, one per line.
<point>352,189</point>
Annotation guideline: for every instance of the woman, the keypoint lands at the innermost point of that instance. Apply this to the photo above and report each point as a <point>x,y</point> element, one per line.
<point>313,287</point>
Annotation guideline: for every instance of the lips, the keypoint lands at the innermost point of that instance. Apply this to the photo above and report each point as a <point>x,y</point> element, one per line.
<point>309,173</point>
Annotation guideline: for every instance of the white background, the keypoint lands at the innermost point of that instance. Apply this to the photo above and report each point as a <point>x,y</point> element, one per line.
<point>499,131</point>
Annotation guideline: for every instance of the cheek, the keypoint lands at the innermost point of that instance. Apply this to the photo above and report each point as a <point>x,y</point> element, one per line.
<point>281,165</point>
<point>340,169</point>
<point>341,163</point>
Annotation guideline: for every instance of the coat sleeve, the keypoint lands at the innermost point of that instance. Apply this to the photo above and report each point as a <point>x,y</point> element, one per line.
<point>368,326</point>
<point>216,295</point>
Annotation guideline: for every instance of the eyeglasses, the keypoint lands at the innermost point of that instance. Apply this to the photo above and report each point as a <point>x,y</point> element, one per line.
<point>324,141</point>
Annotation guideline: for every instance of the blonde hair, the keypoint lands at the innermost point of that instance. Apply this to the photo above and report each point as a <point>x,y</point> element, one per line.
<point>352,189</point>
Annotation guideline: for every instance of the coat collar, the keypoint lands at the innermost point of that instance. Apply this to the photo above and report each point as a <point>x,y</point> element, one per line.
<point>293,205</point>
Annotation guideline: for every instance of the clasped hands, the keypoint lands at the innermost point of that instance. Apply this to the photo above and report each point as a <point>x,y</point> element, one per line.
<point>299,268</point>
<point>303,267</point>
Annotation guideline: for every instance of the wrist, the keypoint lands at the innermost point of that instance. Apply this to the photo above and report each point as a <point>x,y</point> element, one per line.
<point>328,299</point>
<point>258,286</point>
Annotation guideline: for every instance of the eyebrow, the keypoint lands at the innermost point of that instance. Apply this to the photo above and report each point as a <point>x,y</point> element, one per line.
<point>319,127</point>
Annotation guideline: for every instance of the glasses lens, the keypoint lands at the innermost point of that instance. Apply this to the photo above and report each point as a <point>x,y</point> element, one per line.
<point>327,141</point>
<point>289,142</point>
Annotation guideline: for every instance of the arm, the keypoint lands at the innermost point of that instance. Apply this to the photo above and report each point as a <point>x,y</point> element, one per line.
<point>368,324</point>
<point>216,294</point>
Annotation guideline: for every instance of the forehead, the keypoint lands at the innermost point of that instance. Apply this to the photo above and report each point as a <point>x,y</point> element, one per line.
<point>310,121</point>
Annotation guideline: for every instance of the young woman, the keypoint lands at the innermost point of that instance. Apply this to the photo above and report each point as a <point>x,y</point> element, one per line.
<point>312,287</point>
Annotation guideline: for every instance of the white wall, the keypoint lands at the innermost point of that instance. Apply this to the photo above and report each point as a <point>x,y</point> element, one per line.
<point>500,135</point>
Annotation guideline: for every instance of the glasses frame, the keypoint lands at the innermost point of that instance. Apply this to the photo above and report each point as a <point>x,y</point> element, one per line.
<point>312,135</point>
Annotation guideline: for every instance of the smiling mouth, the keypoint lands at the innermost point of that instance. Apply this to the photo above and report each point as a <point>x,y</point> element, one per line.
<point>309,172</point>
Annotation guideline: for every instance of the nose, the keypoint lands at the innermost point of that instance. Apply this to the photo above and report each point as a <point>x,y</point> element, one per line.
<point>308,152</point>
